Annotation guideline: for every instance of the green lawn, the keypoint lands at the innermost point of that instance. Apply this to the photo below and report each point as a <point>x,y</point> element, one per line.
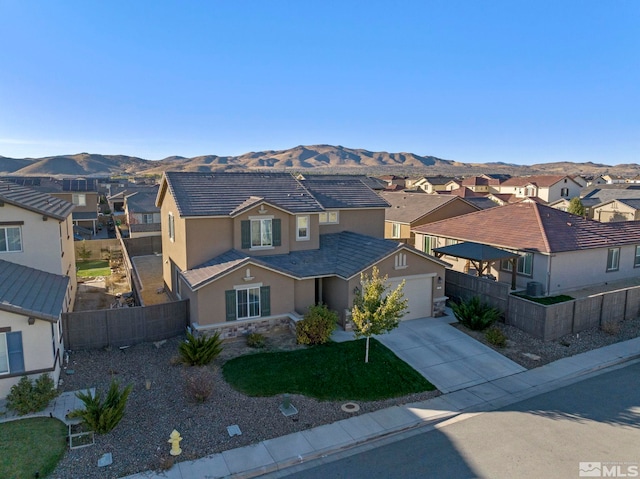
<point>546,300</point>
<point>333,371</point>
<point>31,445</point>
<point>92,268</point>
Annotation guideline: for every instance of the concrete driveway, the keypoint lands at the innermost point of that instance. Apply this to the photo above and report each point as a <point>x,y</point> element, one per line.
<point>448,358</point>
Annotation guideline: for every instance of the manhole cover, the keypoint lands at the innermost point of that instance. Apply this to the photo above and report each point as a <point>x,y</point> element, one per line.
<point>350,407</point>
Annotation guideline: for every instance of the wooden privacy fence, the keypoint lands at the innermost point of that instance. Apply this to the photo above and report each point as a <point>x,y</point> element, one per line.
<point>547,322</point>
<point>124,326</point>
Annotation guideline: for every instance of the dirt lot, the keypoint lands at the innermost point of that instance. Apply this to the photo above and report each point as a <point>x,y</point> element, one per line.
<point>100,292</point>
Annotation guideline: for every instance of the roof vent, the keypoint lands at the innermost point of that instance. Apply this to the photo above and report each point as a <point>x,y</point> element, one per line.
<point>569,224</point>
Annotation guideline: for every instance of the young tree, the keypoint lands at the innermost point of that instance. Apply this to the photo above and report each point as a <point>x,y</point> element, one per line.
<point>376,310</point>
<point>576,207</point>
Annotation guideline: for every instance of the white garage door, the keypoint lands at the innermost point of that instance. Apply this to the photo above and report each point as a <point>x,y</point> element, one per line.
<point>417,290</point>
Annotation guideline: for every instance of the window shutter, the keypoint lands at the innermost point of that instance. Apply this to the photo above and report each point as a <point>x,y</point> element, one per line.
<point>16,356</point>
<point>245,234</point>
<point>265,301</point>
<point>277,232</point>
<point>230,304</point>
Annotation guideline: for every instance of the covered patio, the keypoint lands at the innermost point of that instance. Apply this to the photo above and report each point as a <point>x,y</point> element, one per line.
<point>480,256</point>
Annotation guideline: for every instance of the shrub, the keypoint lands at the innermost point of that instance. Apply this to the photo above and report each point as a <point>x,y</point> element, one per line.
<point>199,383</point>
<point>102,416</point>
<point>26,397</point>
<point>316,326</point>
<point>610,327</point>
<point>201,350</point>
<point>256,340</point>
<point>496,337</point>
<point>475,314</point>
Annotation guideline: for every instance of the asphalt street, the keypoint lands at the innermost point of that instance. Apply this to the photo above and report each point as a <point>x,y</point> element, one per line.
<point>595,422</point>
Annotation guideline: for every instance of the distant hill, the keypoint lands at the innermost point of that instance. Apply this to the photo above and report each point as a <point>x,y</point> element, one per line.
<point>325,158</point>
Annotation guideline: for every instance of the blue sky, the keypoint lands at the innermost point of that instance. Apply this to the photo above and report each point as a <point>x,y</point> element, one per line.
<point>474,81</point>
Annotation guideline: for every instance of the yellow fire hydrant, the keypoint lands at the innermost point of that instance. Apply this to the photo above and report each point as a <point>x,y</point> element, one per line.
<point>174,440</point>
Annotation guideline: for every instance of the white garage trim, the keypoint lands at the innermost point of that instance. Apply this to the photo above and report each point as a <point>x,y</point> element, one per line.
<point>418,290</point>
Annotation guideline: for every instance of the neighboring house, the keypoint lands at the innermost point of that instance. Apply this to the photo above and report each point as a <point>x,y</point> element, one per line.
<point>477,184</point>
<point>561,204</point>
<point>617,210</point>
<point>393,181</point>
<point>142,214</point>
<point>598,180</point>
<point>414,209</point>
<point>431,184</point>
<point>260,248</point>
<point>560,251</point>
<point>546,187</point>
<point>37,281</point>
<point>81,192</point>
<point>593,196</point>
<point>371,181</point>
<point>580,180</point>
<point>614,179</point>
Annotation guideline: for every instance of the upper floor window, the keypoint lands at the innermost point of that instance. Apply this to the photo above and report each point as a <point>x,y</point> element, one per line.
<point>79,199</point>
<point>613,259</point>
<point>172,228</point>
<point>11,355</point>
<point>564,192</point>
<point>260,233</point>
<point>636,260</point>
<point>395,230</point>
<point>529,191</point>
<point>147,218</point>
<point>328,217</point>
<point>10,239</point>
<point>302,227</point>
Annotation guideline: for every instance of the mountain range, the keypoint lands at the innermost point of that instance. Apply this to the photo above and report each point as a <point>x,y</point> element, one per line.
<point>324,158</point>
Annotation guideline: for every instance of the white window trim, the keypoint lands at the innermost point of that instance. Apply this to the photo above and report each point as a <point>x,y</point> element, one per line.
<point>3,338</point>
<point>636,258</point>
<point>6,238</point>
<point>260,219</point>
<point>79,199</point>
<point>395,234</point>
<point>400,261</point>
<point>172,227</point>
<point>307,237</point>
<point>617,255</point>
<point>247,287</point>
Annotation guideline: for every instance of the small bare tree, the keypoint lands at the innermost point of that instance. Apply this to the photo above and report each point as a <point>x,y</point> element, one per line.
<point>376,310</point>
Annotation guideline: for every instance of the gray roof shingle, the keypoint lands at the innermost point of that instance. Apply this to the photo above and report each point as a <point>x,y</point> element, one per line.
<point>222,194</point>
<point>31,292</point>
<point>32,200</point>
<point>344,193</point>
<point>342,254</point>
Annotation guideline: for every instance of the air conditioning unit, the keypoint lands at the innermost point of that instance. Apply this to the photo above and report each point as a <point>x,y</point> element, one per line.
<point>534,288</point>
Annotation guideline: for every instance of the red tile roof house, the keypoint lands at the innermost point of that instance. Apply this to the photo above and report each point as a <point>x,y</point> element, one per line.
<point>253,251</point>
<point>561,251</point>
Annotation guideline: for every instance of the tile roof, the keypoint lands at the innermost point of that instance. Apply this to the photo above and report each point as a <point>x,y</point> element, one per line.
<point>592,196</point>
<point>631,202</point>
<point>409,207</point>
<point>343,193</point>
<point>534,227</point>
<point>220,194</point>
<point>31,292</point>
<point>343,254</point>
<point>32,200</point>
<point>143,201</point>
<point>438,180</point>
<point>541,181</point>
<point>482,202</point>
<point>475,181</point>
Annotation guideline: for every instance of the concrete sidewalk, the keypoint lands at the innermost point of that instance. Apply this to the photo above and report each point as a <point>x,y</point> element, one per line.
<point>286,451</point>
<point>58,408</point>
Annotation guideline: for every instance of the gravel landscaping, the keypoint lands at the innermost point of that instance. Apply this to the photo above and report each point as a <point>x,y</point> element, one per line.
<point>139,442</point>
<point>521,347</point>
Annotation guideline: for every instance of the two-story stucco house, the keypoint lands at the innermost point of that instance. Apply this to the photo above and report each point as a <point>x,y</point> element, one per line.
<point>141,213</point>
<point>548,188</point>
<point>37,281</point>
<point>248,247</point>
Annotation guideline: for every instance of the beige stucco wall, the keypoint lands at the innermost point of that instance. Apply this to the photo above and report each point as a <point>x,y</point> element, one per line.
<point>37,348</point>
<point>305,295</point>
<point>405,232</point>
<point>91,197</point>
<point>206,238</point>
<point>366,221</point>
<point>210,305</point>
<point>43,247</point>
<point>172,251</point>
<point>615,211</point>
